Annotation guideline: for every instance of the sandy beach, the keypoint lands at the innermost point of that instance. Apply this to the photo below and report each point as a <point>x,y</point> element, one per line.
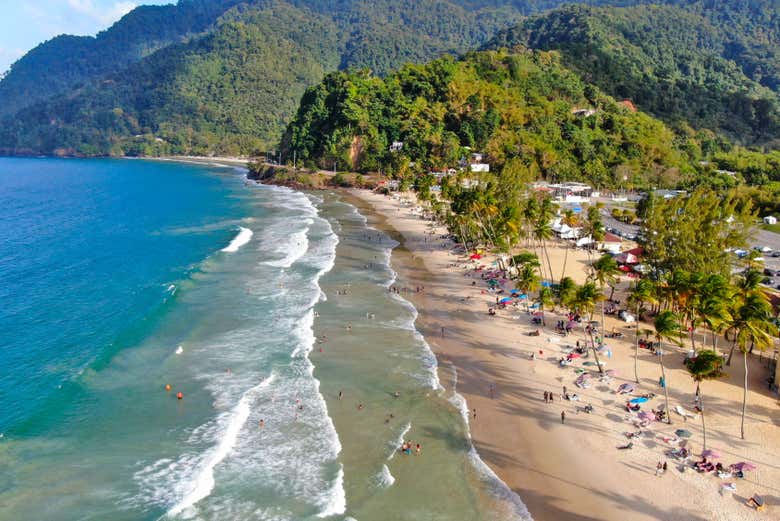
<point>573,470</point>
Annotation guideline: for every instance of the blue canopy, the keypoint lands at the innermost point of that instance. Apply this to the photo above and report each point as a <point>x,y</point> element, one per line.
<point>641,399</point>
<point>505,300</point>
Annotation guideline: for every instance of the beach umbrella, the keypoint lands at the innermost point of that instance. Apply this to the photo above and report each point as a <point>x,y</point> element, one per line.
<point>612,372</point>
<point>647,415</point>
<point>573,355</point>
<point>641,399</point>
<point>743,466</point>
<point>709,453</point>
<point>682,433</point>
<point>476,256</point>
<point>505,300</point>
<point>626,387</point>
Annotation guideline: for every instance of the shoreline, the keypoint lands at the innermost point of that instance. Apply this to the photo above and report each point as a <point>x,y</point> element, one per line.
<point>568,472</point>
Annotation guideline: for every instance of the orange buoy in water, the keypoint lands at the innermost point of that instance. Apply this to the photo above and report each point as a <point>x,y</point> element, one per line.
<point>167,387</point>
<point>179,395</point>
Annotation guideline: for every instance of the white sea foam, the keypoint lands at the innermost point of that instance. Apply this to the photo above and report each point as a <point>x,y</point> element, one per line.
<point>334,501</point>
<point>394,445</point>
<point>243,237</point>
<point>383,478</point>
<point>203,483</point>
<point>496,486</point>
<point>295,248</point>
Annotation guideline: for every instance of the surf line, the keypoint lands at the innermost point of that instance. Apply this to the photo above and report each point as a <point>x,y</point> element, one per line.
<point>204,483</point>
<point>243,237</point>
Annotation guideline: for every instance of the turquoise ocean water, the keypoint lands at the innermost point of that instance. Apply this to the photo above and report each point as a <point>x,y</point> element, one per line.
<point>118,277</point>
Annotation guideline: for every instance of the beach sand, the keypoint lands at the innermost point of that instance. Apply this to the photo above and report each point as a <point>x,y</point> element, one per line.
<point>574,471</point>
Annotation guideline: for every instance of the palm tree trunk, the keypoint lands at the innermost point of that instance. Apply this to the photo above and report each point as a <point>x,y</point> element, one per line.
<point>744,397</point>
<point>636,352</point>
<point>602,322</point>
<point>595,353</point>
<point>701,413</point>
<point>549,264</point>
<point>565,260</point>
<point>666,386</point>
<point>731,353</point>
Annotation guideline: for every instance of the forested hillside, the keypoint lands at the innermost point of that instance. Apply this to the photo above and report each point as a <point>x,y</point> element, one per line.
<point>530,115</point>
<point>66,62</point>
<point>226,76</point>
<point>169,80</point>
<point>710,66</point>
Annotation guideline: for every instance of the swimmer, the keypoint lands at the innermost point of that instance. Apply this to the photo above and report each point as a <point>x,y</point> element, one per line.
<point>349,326</point>
<point>360,407</point>
<point>262,423</point>
<point>396,394</point>
<point>341,395</point>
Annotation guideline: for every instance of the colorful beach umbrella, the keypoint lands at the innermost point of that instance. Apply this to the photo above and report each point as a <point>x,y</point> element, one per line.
<point>505,300</point>
<point>647,415</point>
<point>743,466</point>
<point>709,453</point>
<point>476,256</point>
<point>626,387</point>
<point>640,399</point>
<point>573,355</point>
<point>682,433</point>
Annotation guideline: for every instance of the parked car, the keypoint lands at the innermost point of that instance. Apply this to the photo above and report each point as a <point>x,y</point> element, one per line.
<point>627,317</point>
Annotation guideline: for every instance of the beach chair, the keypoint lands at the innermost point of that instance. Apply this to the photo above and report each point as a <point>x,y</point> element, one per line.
<point>756,502</point>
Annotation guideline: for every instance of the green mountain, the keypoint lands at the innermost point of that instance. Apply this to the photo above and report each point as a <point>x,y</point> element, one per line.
<point>221,76</point>
<point>226,76</point>
<point>526,111</point>
<point>710,65</point>
<point>67,62</point>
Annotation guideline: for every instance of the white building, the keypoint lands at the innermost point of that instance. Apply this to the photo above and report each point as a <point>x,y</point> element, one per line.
<point>479,167</point>
<point>770,219</point>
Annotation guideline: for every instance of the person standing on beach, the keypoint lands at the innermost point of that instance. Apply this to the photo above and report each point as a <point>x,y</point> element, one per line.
<point>563,417</point>
<point>658,468</point>
<point>545,397</point>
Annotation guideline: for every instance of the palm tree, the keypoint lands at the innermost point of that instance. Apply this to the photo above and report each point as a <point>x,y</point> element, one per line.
<point>542,233</point>
<point>571,220</point>
<point>584,302</point>
<point>643,291</point>
<point>566,292</point>
<point>713,309</point>
<point>752,326</point>
<point>707,365</point>
<point>605,271</point>
<point>748,284</point>
<point>667,327</point>
<point>527,279</point>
